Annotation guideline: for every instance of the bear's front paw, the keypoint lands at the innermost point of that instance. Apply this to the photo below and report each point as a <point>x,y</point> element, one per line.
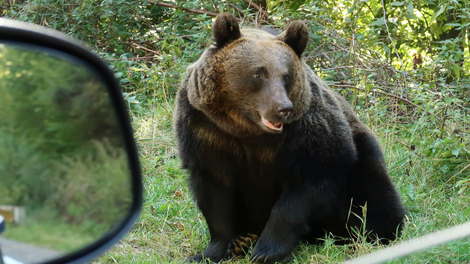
<point>242,244</point>
<point>270,252</point>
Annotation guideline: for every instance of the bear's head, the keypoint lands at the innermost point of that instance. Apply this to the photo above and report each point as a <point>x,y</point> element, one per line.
<point>254,82</point>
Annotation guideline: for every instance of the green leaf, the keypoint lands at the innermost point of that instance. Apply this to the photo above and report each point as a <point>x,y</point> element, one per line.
<point>447,154</point>
<point>455,152</point>
<point>462,190</point>
<point>410,8</point>
<point>377,22</point>
<point>397,3</point>
<point>411,16</point>
<point>314,36</point>
<point>457,71</point>
<point>410,191</point>
<point>428,153</point>
<point>339,55</point>
<point>454,24</point>
<point>387,49</point>
<point>462,182</point>
<point>177,51</point>
<point>132,100</point>
<point>449,100</point>
<point>441,10</point>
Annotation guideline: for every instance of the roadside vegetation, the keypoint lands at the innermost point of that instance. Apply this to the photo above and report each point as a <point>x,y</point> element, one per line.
<point>71,183</point>
<point>403,65</point>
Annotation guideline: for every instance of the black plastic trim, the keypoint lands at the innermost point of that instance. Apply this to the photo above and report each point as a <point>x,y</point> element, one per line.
<point>24,33</point>
<point>2,224</point>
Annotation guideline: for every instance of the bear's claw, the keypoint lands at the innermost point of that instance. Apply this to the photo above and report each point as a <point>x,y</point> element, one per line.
<point>242,244</point>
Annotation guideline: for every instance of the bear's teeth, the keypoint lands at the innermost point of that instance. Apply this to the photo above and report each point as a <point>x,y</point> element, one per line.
<point>277,125</point>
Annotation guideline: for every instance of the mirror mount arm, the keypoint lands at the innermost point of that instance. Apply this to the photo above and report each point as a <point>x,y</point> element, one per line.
<point>2,228</point>
<point>2,224</point>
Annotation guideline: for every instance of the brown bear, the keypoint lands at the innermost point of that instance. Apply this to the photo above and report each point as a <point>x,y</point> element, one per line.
<point>273,151</point>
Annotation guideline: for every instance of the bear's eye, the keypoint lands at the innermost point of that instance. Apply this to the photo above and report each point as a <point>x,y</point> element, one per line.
<point>257,75</point>
<point>286,78</point>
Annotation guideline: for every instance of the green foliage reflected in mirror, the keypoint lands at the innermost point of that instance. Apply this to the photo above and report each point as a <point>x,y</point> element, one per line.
<point>65,180</point>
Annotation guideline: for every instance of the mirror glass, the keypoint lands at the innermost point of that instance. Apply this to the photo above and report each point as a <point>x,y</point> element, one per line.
<point>65,180</point>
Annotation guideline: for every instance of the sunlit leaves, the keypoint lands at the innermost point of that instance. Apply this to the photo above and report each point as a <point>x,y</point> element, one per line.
<point>441,10</point>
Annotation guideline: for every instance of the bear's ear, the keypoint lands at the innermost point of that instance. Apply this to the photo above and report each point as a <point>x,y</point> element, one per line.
<point>296,36</point>
<point>225,29</point>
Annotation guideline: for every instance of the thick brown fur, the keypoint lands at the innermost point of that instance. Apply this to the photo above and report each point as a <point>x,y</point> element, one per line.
<point>273,151</point>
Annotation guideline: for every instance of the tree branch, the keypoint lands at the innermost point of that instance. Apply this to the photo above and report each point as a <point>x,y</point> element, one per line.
<point>260,9</point>
<point>466,167</point>
<point>144,48</point>
<point>135,58</point>
<point>374,91</point>
<point>212,14</point>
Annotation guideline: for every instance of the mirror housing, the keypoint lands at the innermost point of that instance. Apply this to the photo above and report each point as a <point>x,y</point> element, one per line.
<point>28,35</point>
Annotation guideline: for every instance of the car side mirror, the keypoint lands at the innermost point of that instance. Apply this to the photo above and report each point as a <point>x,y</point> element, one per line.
<point>70,184</point>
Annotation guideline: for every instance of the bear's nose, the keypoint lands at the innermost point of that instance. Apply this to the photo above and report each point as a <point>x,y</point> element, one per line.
<point>285,110</point>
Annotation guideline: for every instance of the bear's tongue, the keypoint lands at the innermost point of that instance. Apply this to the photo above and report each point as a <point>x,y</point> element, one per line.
<point>273,126</point>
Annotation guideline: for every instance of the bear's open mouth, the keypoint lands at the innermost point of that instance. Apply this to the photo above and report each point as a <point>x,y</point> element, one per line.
<point>273,126</point>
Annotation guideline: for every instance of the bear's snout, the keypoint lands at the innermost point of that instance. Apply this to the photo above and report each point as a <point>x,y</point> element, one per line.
<point>273,119</point>
<point>274,104</point>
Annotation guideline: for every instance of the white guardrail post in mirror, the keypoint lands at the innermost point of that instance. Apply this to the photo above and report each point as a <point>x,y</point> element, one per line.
<point>414,245</point>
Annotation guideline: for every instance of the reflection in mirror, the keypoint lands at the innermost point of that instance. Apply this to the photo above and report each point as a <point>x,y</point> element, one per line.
<point>65,180</point>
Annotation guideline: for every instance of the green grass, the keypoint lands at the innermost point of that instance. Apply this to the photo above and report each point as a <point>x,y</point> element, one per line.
<point>172,229</point>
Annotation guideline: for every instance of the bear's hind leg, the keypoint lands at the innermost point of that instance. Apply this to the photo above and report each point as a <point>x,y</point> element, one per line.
<point>371,184</point>
<point>300,205</point>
